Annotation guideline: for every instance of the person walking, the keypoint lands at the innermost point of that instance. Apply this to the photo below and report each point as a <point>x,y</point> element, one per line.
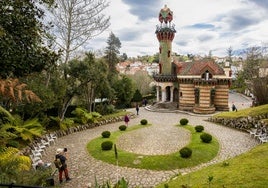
<point>234,108</point>
<point>63,167</point>
<point>126,120</point>
<point>137,109</point>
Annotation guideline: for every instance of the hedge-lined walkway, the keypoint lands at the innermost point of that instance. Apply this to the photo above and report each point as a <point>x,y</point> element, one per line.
<point>83,168</point>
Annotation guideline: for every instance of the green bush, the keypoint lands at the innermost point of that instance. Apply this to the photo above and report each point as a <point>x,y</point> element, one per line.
<point>144,122</point>
<point>122,127</point>
<point>107,145</point>
<point>199,128</point>
<point>13,143</point>
<point>106,134</point>
<point>205,137</point>
<point>184,121</point>
<point>185,152</point>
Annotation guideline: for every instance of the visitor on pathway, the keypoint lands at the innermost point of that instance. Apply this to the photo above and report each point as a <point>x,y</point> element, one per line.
<point>126,120</point>
<point>63,167</point>
<point>137,109</point>
<point>234,108</point>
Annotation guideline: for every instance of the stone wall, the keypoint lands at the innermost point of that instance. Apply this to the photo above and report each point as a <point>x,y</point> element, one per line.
<point>244,123</point>
<point>78,128</point>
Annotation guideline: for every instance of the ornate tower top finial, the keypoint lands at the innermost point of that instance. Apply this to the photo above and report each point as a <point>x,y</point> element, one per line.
<point>165,15</point>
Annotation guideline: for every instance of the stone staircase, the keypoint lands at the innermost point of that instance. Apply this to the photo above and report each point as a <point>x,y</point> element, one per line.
<point>163,107</point>
<point>170,107</point>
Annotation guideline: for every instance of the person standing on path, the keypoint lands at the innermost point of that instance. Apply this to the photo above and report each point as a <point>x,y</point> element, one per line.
<point>126,120</point>
<point>137,109</point>
<point>63,168</point>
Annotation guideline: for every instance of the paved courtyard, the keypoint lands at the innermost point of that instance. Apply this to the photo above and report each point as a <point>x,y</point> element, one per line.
<point>161,138</point>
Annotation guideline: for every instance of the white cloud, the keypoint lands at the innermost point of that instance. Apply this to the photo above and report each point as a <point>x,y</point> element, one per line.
<point>201,26</point>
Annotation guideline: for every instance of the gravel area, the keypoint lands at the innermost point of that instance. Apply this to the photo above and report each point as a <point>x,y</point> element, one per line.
<point>161,138</point>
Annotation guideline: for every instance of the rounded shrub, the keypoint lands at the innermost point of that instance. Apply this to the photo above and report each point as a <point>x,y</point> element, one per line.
<point>106,134</point>
<point>184,121</point>
<point>144,122</point>
<point>205,137</point>
<point>122,127</point>
<point>199,128</point>
<point>107,145</point>
<point>185,152</point>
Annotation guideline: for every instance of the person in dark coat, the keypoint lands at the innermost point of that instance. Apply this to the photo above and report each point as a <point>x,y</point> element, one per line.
<point>137,109</point>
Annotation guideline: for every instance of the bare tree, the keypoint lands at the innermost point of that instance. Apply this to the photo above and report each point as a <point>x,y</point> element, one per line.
<point>78,21</point>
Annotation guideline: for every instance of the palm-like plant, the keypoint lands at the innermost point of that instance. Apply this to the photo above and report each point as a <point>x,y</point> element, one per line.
<point>14,125</point>
<point>12,163</point>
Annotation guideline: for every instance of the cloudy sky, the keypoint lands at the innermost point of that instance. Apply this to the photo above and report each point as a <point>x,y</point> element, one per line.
<point>201,25</point>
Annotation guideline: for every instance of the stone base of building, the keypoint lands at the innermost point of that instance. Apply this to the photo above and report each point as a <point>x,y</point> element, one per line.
<point>204,110</point>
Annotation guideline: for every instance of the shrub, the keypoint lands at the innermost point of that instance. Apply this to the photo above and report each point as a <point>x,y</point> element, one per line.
<point>107,145</point>
<point>185,152</point>
<point>13,143</point>
<point>205,137</point>
<point>122,127</point>
<point>144,122</point>
<point>199,128</point>
<point>106,134</point>
<point>184,121</point>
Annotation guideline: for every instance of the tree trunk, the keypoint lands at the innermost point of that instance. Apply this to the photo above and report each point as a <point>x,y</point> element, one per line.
<point>65,105</point>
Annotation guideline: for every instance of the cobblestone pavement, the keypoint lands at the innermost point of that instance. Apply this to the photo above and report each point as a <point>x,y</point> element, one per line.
<point>161,138</point>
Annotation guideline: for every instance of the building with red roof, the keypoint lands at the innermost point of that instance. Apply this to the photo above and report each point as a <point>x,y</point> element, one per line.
<point>200,86</point>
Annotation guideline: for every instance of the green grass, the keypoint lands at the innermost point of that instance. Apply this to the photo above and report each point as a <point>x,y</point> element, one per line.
<point>245,171</point>
<point>202,152</point>
<point>254,111</point>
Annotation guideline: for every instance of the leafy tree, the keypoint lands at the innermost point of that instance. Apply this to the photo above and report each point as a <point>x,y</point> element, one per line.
<point>257,83</point>
<point>78,21</point>
<point>22,45</point>
<point>124,91</point>
<point>142,82</point>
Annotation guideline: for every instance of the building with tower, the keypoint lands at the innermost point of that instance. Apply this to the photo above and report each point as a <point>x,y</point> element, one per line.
<point>199,86</point>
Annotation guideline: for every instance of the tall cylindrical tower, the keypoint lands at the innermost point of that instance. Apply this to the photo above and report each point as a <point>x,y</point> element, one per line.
<point>165,33</point>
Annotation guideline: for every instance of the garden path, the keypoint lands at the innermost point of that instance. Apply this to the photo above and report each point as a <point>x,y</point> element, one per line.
<point>83,168</point>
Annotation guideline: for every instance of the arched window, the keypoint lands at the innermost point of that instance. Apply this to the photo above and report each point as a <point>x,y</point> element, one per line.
<point>207,75</point>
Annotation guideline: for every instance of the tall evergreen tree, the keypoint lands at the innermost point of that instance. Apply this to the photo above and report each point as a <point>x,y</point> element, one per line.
<point>111,55</point>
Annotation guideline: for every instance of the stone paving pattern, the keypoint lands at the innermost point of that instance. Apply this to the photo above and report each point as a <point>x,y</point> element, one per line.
<point>161,138</point>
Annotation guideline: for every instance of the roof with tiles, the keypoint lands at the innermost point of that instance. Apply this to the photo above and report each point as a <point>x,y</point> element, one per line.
<point>198,67</point>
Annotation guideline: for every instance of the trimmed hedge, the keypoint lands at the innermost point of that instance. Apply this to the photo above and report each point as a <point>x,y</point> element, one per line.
<point>185,152</point>
<point>205,137</point>
<point>122,127</point>
<point>106,134</point>
<point>184,121</point>
<point>144,122</point>
<point>107,145</point>
<point>199,128</point>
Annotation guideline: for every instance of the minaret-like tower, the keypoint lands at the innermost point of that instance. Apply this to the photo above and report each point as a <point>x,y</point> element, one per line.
<point>165,33</point>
